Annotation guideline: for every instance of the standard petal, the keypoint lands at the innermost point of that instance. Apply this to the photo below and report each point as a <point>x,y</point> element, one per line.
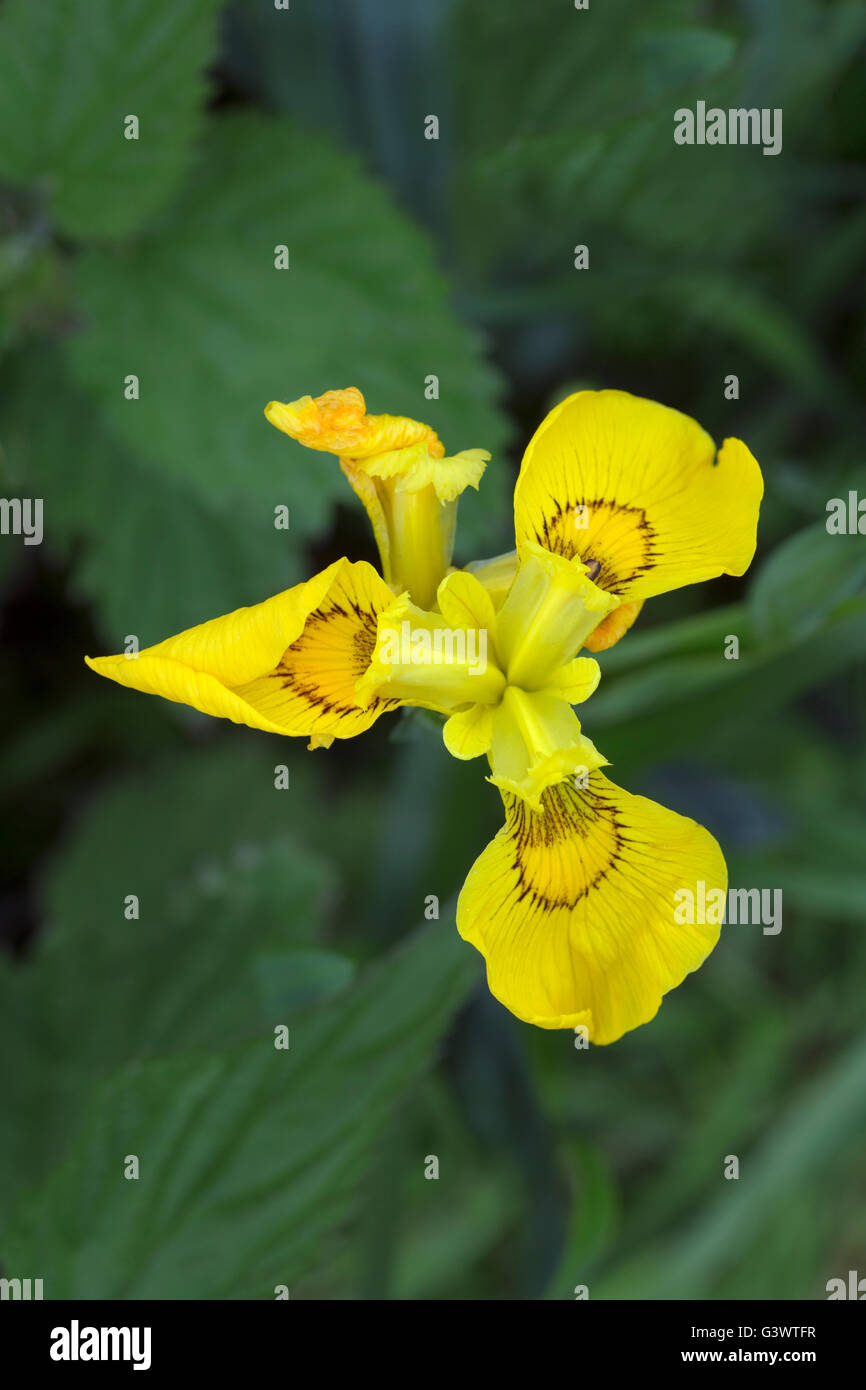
<point>575,908</point>
<point>551,609</point>
<point>496,574</point>
<point>638,490</point>
<point>287,666</point>
<point>464,602</point>
<point>421,659</point>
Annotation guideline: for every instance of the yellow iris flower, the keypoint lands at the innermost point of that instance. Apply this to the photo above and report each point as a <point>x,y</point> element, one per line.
<point>618,499</point>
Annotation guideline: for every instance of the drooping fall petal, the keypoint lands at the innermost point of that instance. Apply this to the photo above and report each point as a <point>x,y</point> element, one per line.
<point>574,907</point>
<point>288,665</point>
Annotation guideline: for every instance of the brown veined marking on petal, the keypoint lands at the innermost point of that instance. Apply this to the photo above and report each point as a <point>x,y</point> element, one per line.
<point>300,667</point>
<point>577,825</point>
<point>620,557</point>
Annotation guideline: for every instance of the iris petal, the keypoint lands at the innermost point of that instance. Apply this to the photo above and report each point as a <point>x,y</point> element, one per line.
<point>288,665</point>
<point>574,907</point>
<point>638,491</point>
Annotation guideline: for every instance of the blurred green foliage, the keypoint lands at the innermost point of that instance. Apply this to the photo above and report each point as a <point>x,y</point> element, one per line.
<point>304,128</point>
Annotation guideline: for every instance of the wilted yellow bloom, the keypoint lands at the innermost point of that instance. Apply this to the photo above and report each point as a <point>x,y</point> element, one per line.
<point>398,469</point>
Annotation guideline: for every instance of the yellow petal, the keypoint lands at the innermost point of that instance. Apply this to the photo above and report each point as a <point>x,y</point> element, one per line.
<point>420,538</point>
<point>469,733</point>
<point>338,423</point>
<point>448,477</point>
<point>575,907</point>
<point>637,491</point>
<point>366,491</point>
<point>463,602</point>
<point>614,626</point>
<point>411,499</point>
<point>417,467</point>
<point>496,574</point>
<point>577,680</point>
<point>398,470</point>
<point>287,666</point>
<point>413,530</point>
<point>551,609</point>
<point>421,659</point>
<point>535,742</point>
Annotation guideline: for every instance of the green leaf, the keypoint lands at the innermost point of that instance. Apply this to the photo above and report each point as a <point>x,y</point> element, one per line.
<point>742,1092</point>
<point>198,311</point>
<point>248,1156</point>
<point>725,305</point>
<point>651,712</point>
<point>805,581</point>
<point>701,635</point>
<point>151,554</point>
<point>184,836</point>
<point>821,1128</point>
<point>827,891</point>
<point>673,56</point>
<point>292,980</point>
<point>221,894</point>
<point>34,290</point>
<point>569,127</point>
<point>192,966</point>
<point>595,1219</point>
<point>71,74</point>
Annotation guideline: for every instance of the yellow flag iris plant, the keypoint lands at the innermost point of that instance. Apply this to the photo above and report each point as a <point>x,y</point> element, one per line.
<point>572,904</point>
